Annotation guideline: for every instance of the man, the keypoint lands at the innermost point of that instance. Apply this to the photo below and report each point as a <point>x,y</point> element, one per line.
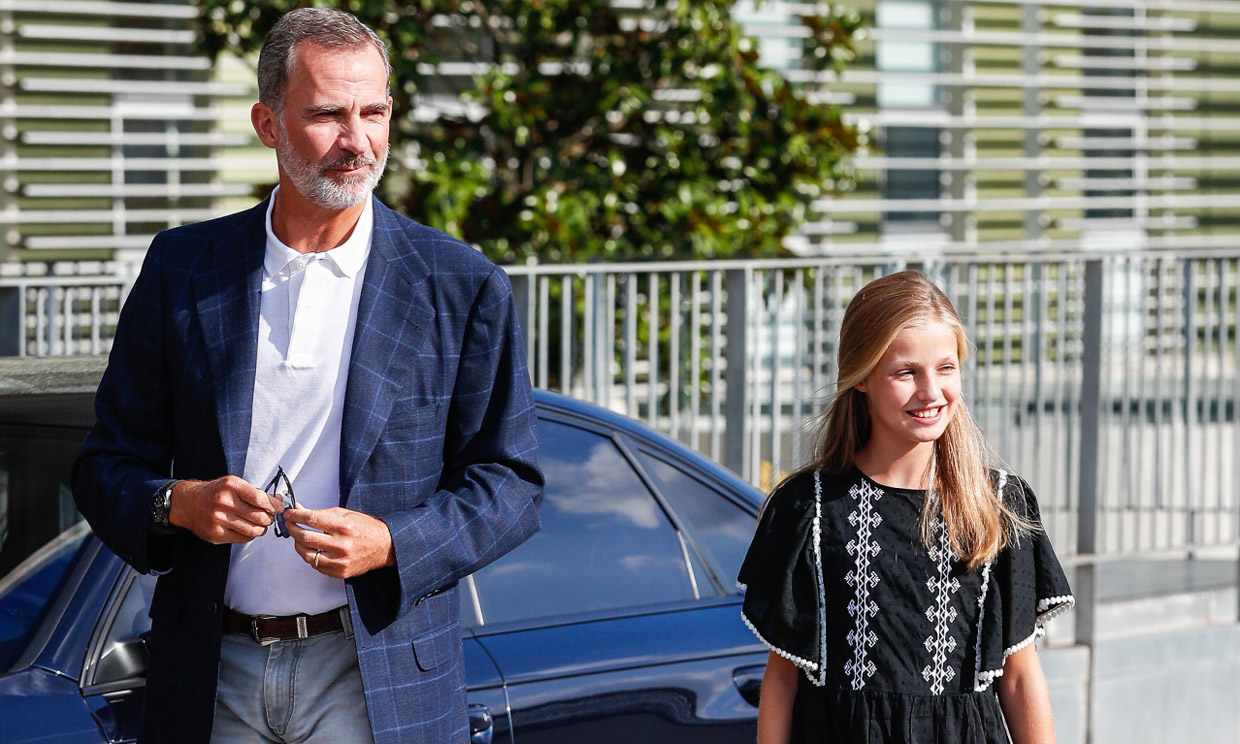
<point>319,344</point>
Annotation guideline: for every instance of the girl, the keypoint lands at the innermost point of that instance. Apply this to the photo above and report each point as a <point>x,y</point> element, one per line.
<point>898,581</point>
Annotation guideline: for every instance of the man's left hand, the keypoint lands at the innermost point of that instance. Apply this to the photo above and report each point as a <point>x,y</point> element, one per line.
<point>347,543</point>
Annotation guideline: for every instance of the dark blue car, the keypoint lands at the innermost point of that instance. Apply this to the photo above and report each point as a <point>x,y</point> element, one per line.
<point>618,622</point>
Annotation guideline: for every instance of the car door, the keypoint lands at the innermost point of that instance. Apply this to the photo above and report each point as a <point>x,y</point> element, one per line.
<point>607,626</point>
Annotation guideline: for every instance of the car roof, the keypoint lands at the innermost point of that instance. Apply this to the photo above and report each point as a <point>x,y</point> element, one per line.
<point>51,391</point>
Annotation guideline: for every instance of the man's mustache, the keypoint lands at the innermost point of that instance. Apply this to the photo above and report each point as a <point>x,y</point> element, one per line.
<point>349,162</point>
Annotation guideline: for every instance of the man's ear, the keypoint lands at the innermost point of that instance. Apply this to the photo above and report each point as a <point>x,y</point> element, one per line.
<point>265,124</point>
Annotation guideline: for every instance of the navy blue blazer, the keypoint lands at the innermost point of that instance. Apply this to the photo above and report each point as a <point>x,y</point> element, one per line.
<point>438,440</point>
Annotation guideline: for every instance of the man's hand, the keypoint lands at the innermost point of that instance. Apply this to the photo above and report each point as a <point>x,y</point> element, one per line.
<point>224,510</point>
<point>340,542</point>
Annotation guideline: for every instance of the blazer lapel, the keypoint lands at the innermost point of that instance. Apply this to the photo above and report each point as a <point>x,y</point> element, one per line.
<point>391,312</point>
<point>227,290</point>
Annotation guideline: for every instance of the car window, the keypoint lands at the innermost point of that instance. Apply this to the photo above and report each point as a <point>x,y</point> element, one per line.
<point>131,620</point>
<point>118,657</point>
<point>27,590</point>
<point>36,504</point>
<point>720,527</point>
<point>605,542</point>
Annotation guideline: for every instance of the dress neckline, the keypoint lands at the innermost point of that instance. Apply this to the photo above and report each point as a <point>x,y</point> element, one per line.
<point>919,492</point>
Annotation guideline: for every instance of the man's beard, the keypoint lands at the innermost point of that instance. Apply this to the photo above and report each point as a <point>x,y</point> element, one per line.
<point>313,181</point>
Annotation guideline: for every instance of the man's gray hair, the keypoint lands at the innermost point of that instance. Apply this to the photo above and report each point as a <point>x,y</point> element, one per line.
<point>334,29</point>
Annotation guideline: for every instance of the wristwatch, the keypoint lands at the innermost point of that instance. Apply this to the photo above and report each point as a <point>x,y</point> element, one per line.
<point>161,507</point>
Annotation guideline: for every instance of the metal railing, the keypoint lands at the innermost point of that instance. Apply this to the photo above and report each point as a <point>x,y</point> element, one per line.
<point>1109,380</point>
<point>59,315</point>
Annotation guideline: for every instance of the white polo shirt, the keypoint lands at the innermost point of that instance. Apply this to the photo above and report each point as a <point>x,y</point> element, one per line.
<point>306,320</point>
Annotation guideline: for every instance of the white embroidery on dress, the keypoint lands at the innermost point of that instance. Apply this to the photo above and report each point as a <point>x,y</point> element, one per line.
<point>981,679</point>
<point>978,684</point>
<point>820,680</point>
<point>940,643</point>
<point>862,580</point>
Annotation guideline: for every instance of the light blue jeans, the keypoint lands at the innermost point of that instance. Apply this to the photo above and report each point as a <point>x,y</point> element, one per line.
<point>307,690</point>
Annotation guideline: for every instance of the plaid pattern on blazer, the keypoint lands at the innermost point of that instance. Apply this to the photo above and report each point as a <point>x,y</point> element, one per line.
<point>438,440</point>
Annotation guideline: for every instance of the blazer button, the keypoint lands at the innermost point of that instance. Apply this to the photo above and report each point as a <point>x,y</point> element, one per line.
<point>213,607</point>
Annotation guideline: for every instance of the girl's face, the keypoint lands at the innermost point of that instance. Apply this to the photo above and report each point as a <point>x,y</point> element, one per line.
<point>914,389</point>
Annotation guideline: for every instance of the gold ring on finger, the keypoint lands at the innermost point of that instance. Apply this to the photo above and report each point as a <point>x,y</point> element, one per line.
<point>317,553</point>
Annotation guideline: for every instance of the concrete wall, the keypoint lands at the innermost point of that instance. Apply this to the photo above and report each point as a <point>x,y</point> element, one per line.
<point>1166,687</point>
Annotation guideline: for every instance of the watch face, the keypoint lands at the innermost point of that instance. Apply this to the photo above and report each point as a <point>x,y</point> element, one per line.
<point>159,509</point>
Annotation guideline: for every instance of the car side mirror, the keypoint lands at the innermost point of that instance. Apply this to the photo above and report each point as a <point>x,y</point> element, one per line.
<point>122,661</point>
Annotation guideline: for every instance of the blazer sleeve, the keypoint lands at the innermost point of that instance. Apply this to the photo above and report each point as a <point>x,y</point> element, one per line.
<point>490,492</point>
<point>127,455</point>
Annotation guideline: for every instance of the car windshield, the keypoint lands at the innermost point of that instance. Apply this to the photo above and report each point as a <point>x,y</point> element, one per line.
<point>26,592</point>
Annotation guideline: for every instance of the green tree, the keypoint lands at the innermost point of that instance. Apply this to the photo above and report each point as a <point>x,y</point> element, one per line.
<point>593,129</point>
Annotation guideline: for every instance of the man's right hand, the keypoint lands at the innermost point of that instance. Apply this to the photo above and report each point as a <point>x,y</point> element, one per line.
<point>224,510</point>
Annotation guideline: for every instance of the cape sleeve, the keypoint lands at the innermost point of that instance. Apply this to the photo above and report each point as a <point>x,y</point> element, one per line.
<point>782,578</point>
<point>1027,587</point>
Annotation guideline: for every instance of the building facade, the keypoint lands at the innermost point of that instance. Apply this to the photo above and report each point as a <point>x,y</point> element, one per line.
<point>1032,125</point>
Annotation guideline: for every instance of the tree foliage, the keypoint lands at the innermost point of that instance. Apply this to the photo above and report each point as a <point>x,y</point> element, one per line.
<point>592,129</point>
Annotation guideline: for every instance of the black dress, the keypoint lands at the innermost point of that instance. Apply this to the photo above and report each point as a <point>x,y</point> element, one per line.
<point>897,643</point>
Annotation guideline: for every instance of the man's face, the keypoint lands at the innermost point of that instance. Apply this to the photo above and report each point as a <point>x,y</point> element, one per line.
<point>332,140</point>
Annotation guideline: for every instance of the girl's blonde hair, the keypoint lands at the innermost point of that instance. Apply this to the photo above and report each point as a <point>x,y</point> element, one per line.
<point>978,523</point>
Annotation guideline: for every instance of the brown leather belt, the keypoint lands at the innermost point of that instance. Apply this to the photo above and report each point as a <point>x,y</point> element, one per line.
<point>267,629</point>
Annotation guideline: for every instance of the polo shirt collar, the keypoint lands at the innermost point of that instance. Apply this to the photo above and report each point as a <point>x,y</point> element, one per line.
<point>348,258</point>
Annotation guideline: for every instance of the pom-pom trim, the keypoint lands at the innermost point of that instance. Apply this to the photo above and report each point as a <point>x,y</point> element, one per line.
<point>805,664</point>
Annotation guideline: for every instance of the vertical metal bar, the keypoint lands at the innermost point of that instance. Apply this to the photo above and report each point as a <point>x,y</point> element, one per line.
<point>23,293</point>
<point>95,320</point>
<point>1220,395</point>
<point>820,396</point>
<point>630,344</point>
<point>544,336</point>
<point>567,311</point>
<point>1229,327</point>
<point>652,332</point>
<point>1025,415</point>
<point>1234,315</point>
<point>1161,393</point>
<point>1123,336</point>
<point>1062,416</point>
<point>695,359</point>
<point>986,363</point>
<point>1201,406</point>
<point>1086,589</point>
<point>66,320</point>
<point>775,333</point>
<point>737,409</point>
<point>754,421</point>
<point>609,334</point>
<point>1038,352</point>
<point>40,323</point>
<point>589,336</point>
<point>716,366</point>
<point>1007,328</point>
<point>798,387</point>
<point>973,382</point>
<point>1208,403</point>
<point>673,354</point>
<point>1142,481</point>
<point>1192,478</point>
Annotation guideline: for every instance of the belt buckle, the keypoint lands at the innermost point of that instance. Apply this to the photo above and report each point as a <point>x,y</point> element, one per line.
<point>254,636</point>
